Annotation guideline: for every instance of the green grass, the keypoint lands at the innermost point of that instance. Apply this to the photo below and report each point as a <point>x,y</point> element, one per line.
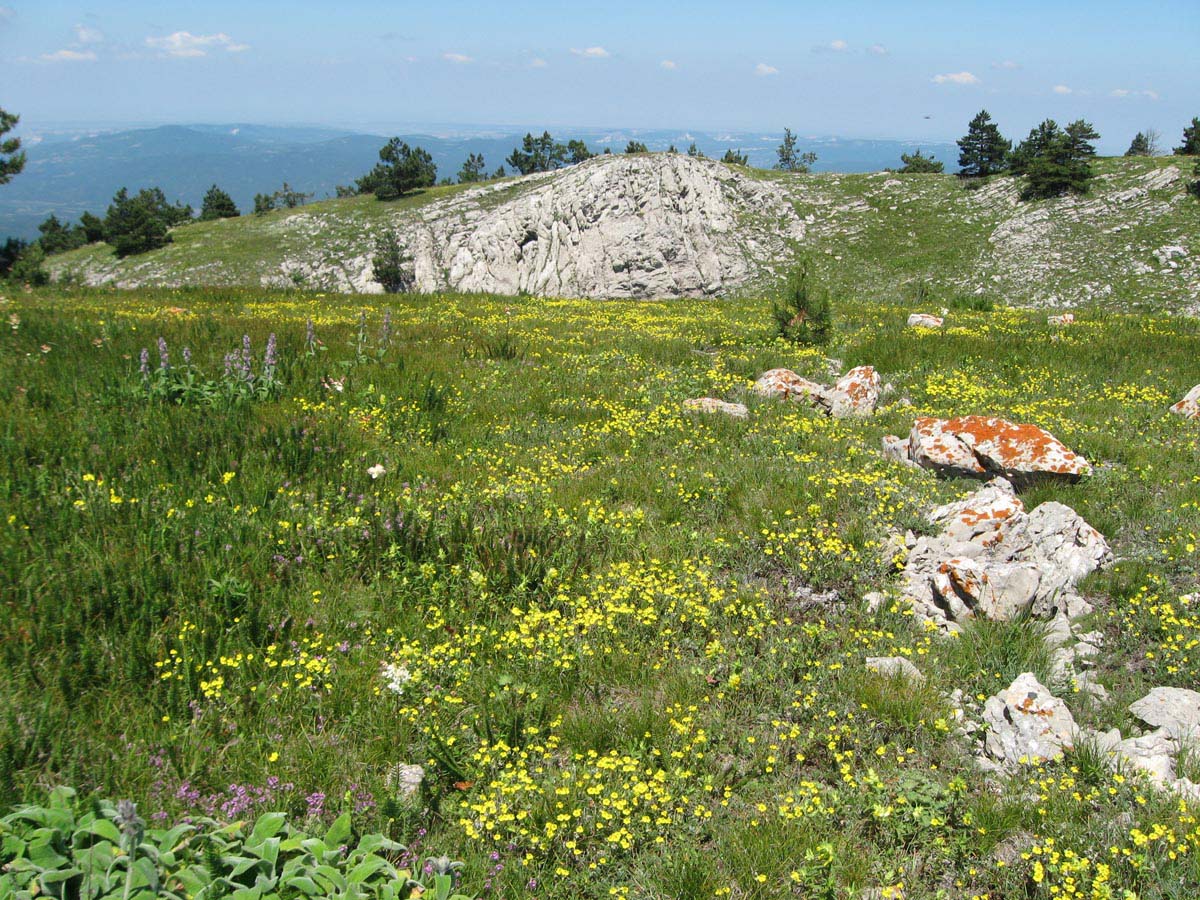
<point>585,598</point>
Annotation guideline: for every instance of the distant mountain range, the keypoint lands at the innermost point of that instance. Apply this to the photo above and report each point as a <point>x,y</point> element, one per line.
<point>71,171</point>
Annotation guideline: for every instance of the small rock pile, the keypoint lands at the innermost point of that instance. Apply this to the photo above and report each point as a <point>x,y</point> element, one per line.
<point>855,394</point>
<point>992,559</point>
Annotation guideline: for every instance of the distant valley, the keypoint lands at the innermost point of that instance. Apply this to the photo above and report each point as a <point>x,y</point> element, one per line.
<point>72,171</point>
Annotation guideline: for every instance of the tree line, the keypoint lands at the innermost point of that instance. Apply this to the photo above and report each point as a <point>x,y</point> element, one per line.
<point>1054,160</point>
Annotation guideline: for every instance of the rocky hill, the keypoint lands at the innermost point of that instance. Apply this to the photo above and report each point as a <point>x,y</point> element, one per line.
<point>668,225</point>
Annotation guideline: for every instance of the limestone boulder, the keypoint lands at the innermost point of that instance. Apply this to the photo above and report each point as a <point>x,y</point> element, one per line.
<point>992,559</point>
<point>855,394</point>
<point>1026,724</point>
<point>925,320</point>
<point>1176,711</point>
<point>1189,406</point>
<point>787,385</point>
<point>713,405</point>
<point>985,446</point>
<point>895,666</point>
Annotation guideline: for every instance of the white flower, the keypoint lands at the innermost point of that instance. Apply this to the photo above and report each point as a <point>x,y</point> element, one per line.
<point>396,677</point>
<point>376,470</point>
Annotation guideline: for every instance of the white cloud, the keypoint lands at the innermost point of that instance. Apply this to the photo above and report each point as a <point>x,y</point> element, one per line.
<point>764,69</point>
<point>1125,92</point>
<point>955,78</point>
<point>69,56</point>
<point>1062,89</point>
<point>457,58</point>
<point>592,52</point>
<point>184,44</point>
<point>838,45</point>
<point>1006,64</point>
<point>538,63</point>
<point>668,64</point>
<point>85,34</point>
<point>6,13</point>
<point>878,49</point>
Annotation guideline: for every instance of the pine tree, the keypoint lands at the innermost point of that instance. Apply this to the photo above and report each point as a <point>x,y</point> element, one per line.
<point>57,237</point>
<point>789,159</point>
<point>92,227</point>
<point>735,158</point>
<point>263,204</point>
<point>540,154</point>
<point>919,164</point>
<point>636,147</point>
<point>1080,135</point>
<point>578,152</point>
<point>217,205</point>
<point>135,225</point>
<point>12,160</point>
<point>804,313</point>
<point>472,169</point>
<point>1139,146</point>
<point>983,150</point>
<point>391,267</point>
<point>694,151</point>
<point>1190,146</point>
<point>1061,166</point>
<point>1033,146</point>
<point>400,169</point>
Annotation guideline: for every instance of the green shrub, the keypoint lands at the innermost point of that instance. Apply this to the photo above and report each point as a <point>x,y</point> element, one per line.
<point>804,313</point>
<point>72,849</point>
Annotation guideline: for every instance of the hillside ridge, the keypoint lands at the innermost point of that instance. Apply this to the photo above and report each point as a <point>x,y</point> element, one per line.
<point>669,225</point>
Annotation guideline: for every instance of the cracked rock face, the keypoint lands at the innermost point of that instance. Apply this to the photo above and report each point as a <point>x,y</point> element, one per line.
<point>1189,406</point>
<point>992,559</point>
<point>1027,724</point>
<point>983,446</point>
<point>661,225</point>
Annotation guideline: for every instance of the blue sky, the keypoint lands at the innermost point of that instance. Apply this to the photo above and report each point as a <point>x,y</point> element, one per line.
<point>852,69</point>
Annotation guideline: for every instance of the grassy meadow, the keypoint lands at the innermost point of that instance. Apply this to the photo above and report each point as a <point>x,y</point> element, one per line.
<point>480,535</point>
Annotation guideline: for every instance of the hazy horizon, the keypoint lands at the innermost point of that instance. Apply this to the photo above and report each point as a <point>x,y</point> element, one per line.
<point>866,70</point>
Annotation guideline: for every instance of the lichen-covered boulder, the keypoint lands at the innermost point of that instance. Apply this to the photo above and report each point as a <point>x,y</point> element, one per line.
<point>1189,406</point>
<point>788,385</point>
<point>855,394</point>
<point>986,446</point>
<point>992,559</point>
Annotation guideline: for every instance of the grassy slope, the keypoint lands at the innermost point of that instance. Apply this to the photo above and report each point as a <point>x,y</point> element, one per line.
<point>872,235</point>
<point>593,594</point>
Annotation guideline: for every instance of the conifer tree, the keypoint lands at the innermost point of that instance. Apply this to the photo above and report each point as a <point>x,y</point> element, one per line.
<point>217,205</point>
<point>472,169</point>
<point>789,159</point>
<point>918,163</point>
<point>1139,146</point>
<point>983,150</point>
<point>1040,137</point>
<point>12,160</point>
<point>1191,140</point>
